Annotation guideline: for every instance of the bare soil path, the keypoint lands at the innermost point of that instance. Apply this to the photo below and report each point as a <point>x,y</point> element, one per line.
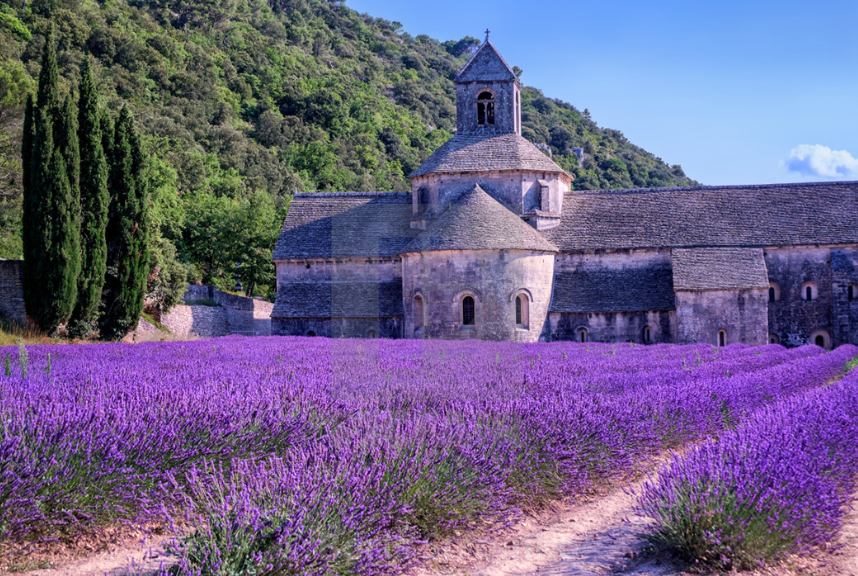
<point>601,536</point>
<point>594,537</point>
<point>141,558</point>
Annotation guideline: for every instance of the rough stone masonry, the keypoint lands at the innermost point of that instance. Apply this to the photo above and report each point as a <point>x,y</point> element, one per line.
<point>493,242</point>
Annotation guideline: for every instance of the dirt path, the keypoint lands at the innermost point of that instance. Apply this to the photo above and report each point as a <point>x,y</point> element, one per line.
<point>601,537</point>
<point>596,537</point>
<point>142,558</point>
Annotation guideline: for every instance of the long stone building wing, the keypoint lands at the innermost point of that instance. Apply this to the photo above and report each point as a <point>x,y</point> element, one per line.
<point>492,242</point>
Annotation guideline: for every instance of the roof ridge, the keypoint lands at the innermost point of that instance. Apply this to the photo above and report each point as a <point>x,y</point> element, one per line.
<point>349,194</point>
<point>610,191</point>
<point>482,47</point>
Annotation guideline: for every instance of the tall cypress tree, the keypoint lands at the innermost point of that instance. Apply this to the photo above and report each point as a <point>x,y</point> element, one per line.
<point>127,236</point>
<point>30,218</point>
<point>94,202</point>
<point>64,254</point>
<point>38,186</point>
<point>52,204</point>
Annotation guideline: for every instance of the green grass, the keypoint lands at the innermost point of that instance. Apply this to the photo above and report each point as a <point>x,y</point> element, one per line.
<point>12,333</point>
<point>151,320</point>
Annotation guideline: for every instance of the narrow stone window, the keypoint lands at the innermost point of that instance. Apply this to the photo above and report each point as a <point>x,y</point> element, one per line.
<point>417,311</point>
<point>485,108</point>
<point>522,312</point>
<point>773,339</point>
<point>809,293</point>
<point>582,334</point>
<point>310,333</point>
<point>372,334</point>
<point>722,338</point>
<point>850,292</point>
<point>774,292</point>
<point>468,311</point>
<point>647,334</point>
<point>820,338</point>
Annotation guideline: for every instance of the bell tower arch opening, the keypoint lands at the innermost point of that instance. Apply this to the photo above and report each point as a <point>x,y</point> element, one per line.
<point>488,95</point>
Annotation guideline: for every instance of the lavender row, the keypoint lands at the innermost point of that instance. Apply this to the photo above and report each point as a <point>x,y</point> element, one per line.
<point>323,456</point>
<point>779,484</point>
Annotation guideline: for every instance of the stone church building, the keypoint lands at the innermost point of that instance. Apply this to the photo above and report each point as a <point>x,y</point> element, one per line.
<point>492,243</point>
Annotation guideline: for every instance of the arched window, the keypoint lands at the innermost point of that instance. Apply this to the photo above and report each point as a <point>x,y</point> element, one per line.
<point>485,108</point>
<point>582,334</point>
<point>809,291</point>
<point>417,311</point>
<point>372,334</point>
<point>722,338</point>
<point>310,333</point>
<point>468,311</point>
<point>851,292</point>
<point>774,292</point>
<point>522,311</point>
<point>647,335</point>
<point>773,339</point>
<point>821,339</point>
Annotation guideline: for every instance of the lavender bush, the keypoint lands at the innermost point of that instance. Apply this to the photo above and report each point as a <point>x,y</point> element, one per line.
<point>778,484</point>
<point>315,456</point>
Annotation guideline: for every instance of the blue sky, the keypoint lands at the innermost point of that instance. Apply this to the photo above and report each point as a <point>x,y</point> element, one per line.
<point>737,92</point>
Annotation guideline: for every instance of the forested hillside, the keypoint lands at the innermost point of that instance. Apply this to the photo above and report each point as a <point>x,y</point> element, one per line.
<point>242,102</point>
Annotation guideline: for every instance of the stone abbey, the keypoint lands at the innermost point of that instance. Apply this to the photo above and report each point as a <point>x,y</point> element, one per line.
<point>493,243</point>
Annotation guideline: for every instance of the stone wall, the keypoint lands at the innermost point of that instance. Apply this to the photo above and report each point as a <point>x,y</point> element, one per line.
<point>12,291</point>
<point>201,321</point>
<point>520,191</point>
<point>232,315</point>
<point>743,314</point>
<point>493,278</point>
<point>338,327</point>
<point>507,97</point>
<point>792,318</point>
<point>614,326</point>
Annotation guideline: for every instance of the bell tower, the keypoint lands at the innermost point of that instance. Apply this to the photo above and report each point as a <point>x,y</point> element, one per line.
<point>488,95</point>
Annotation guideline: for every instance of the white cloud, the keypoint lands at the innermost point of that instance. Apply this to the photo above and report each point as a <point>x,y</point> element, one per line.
<point>822,161</point>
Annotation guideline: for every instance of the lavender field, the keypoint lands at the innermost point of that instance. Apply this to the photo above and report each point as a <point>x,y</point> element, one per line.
<point>316,456</point>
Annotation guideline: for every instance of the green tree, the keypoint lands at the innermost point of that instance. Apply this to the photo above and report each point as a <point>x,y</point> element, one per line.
<point>94,200</point>
<point>127,235</point>
<point>52,210</point>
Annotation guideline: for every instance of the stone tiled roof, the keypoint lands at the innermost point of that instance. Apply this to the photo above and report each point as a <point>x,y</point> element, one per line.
<point>339,300</point>
<point>331,225</point>
<point>719,268</point>
<point>764,215</point>
<point>613,290</point>
<point>482,153</point>
<point>476,221</point>
<point>486,65</point>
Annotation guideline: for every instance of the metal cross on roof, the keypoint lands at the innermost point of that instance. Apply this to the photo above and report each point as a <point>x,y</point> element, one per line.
<point>487,33</point>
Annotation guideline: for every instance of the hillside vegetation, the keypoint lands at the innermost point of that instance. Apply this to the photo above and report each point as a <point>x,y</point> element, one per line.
<point>243,102</point>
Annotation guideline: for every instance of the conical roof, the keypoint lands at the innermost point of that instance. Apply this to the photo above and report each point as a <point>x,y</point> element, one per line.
<point>487,65</point>
<point>487,153</point>
<point>476,221</point>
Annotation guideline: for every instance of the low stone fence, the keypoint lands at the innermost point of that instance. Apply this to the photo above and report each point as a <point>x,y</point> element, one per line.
<point>230,314</point>
<point>12,291</point>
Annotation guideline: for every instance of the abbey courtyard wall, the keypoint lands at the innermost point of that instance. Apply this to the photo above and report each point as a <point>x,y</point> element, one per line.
<point>12,291</point>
